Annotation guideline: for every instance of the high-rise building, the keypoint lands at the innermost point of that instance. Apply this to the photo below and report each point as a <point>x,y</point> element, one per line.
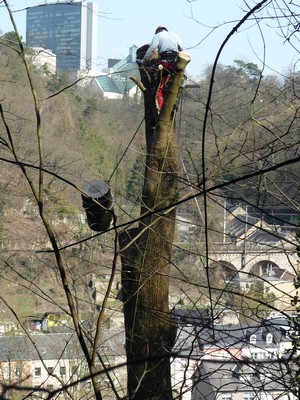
<point>68,29</point>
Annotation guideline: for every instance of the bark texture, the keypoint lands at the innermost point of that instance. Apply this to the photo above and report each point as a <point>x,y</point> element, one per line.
<point>146,250</point>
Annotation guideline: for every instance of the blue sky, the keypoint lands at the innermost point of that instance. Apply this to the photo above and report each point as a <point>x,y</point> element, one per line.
<point>201,24</point>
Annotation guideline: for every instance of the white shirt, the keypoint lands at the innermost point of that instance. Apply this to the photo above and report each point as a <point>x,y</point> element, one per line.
<point>164,41</point>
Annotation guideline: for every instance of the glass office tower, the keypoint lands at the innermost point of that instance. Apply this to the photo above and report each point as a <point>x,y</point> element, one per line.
<point>68,29</point>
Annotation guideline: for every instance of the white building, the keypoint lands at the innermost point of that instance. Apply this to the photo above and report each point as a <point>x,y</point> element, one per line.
<point>51,362</point>
<point>44,58</point>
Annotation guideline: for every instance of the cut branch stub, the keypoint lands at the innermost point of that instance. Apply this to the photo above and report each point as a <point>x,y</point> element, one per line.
<point>97,201</point>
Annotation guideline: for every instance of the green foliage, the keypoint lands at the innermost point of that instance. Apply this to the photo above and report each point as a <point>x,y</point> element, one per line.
<point>248,70</point>
<point>254,304</point>
<point>91,107</point>
<point>94,144</point>
<point>136,179</point>
<point>11,66</point>
<point>11,40</point>
<point>257,288</point>
<point>57,83</point>
<point>244,120</point>
<point>45,70</point>
<point>261,301</point>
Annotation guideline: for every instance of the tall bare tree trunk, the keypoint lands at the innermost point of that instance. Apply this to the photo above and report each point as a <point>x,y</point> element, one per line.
<point>147,249</point>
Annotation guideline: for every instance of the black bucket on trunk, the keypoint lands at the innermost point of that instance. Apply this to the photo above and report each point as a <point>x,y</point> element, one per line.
<point>97,201</point>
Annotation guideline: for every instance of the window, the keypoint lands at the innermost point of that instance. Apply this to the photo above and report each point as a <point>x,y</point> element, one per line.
<point>37,371</point>
<point>50,370</point>
<point>226,397</point>
<point>62,371</point>
<point>248,396</point>
<point>74,370</point>
<point>18,371</point>
<point>266,396</point>
<point>259,355</point>
<point>269,338</point>
<point>50,387</point>
<point>253,339</point>
<point>6,372</point>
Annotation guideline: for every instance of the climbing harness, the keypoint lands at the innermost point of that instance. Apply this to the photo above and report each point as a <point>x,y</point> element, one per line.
<point>166,65</point>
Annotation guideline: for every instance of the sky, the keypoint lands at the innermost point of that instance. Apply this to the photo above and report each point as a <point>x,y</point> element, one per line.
<point>201,24</point>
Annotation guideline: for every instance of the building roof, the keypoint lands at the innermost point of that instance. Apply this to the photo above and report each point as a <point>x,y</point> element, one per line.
<point>56,346</point>
<point>278,274</point>
<point>241,223</point>
<point>253,229</point>
<point>107,84</point>
<point>266,237</point>
<point>201,326</point>
<point>238,336</point>
<point>118,81</point>
<point>198,317</point>
<point>214,378</point>
<point>186,344</point>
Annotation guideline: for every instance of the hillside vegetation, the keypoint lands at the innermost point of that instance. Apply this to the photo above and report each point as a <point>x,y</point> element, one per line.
<point>83,137</point>
<point>252,123</point>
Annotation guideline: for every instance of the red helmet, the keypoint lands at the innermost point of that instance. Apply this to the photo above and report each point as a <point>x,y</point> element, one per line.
<point>160,28</point>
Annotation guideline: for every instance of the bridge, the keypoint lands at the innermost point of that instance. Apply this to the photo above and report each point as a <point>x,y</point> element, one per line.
<point>258,260</point>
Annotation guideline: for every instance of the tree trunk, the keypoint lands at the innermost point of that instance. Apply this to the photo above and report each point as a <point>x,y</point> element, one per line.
<point>147,249</point>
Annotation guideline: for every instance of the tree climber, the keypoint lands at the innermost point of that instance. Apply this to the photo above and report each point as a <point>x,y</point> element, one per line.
<point>167,44</point>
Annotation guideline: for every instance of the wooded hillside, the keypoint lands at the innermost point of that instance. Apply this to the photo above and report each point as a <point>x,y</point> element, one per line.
<point>252,123</point>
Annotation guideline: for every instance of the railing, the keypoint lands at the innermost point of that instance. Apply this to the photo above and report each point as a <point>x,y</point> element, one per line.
<point>229,248</point>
